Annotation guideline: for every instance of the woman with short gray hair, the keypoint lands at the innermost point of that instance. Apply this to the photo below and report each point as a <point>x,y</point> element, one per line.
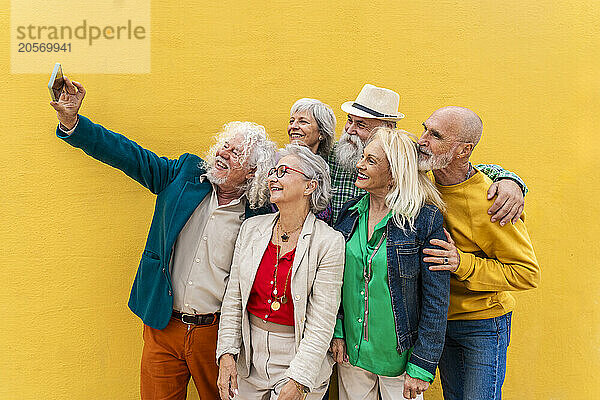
<point>312,123</point>
<point>280,307</point>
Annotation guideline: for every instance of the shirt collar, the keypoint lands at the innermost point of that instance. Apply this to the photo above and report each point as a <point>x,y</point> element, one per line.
<point>384,220</point>
<point>234,202</point>
<point>363,207</point>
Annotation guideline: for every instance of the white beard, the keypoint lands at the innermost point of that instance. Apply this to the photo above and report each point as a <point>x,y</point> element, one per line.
<point>348,151</point>
<point>432,162</point>
<point>211,173</point>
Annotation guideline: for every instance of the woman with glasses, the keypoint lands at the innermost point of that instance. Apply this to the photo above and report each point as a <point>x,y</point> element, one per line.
<point>394,308</point>
<point>280,307</point>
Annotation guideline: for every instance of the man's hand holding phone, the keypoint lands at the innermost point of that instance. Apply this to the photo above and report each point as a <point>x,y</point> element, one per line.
<point>69,103</point>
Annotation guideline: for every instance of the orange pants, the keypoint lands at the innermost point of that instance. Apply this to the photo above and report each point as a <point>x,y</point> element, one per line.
<point>172,355</point>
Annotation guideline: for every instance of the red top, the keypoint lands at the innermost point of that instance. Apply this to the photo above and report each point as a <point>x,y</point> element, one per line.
<point>262,297</point>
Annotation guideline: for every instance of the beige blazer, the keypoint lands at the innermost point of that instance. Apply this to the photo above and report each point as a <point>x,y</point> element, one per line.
<point>316,283</point>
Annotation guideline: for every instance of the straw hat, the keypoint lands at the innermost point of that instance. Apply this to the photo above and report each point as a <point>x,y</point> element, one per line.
<point>375,102</point>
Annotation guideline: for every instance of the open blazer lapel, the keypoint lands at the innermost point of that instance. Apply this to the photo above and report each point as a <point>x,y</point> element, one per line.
<point>303,242</point>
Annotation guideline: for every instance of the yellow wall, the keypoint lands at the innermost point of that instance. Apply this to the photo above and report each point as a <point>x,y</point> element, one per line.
<point>73,229</point>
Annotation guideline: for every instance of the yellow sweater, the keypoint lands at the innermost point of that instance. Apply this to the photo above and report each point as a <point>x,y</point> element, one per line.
<point>494,259</point>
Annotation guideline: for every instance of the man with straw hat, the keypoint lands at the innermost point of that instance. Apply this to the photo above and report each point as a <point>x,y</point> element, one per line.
<point>375,107</point>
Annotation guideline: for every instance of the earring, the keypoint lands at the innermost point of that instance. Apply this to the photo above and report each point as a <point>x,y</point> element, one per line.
<point>307,194</point>
<point>320,138</point>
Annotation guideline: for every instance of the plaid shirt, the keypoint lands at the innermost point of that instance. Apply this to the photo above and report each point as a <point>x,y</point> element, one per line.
<point>343,180</point>
<point>496,172</point>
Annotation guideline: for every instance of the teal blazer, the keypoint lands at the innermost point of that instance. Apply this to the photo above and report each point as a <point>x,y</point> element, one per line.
<point>178,190</point>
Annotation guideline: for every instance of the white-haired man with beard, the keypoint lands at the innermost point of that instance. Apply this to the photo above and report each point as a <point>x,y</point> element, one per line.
<point>375,107</point>
<point>486,261</point>
<point>184,268</point>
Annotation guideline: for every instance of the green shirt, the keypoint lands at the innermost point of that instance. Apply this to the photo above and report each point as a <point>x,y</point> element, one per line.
<point>371,345</point>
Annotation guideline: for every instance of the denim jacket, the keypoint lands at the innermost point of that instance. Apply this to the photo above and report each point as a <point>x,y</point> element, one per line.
<point>419,296</point>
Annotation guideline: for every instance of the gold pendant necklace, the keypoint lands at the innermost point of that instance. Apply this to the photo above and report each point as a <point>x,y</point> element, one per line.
<point>275,304</point>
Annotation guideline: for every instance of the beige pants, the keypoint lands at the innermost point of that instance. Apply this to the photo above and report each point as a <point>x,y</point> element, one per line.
<point>356,383</point>
<point>272,353</point>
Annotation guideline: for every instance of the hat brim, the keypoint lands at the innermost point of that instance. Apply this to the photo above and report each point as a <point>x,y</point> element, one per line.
<point>349,109</point>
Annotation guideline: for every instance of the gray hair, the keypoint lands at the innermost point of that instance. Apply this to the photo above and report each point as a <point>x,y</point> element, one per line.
<point>257,150</point>
<point>316,169</point>
<point>323,114</point>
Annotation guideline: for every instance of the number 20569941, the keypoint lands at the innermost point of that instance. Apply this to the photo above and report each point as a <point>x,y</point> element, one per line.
<point>44,47</point>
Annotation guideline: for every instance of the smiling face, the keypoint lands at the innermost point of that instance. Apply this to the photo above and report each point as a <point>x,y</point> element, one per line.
<point>292,187</point>
<point>374,174</point>
<point>362,127</point>
<point>229,169</point>
<point>303,127</point>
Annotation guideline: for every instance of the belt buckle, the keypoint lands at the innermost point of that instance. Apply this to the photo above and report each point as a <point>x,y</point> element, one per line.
<point>183,315</point>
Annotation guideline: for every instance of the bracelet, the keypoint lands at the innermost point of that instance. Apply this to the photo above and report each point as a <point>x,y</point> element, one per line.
<point>301,388</point>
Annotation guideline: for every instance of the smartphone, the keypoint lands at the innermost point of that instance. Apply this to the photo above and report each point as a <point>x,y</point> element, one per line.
<point>56,83</point>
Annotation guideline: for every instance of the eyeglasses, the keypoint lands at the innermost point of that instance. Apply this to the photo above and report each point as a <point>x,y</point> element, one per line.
<point>284,169</point>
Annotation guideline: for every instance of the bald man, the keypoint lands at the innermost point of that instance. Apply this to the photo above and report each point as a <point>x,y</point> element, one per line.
<point>487,261</point>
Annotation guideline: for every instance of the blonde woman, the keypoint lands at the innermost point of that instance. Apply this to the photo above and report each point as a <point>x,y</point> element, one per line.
<point>394,308</point>
<point>281,302</point>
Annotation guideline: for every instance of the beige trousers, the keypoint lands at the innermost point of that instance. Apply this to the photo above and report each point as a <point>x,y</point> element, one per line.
<point>356,383</point>
<point>272,353</point>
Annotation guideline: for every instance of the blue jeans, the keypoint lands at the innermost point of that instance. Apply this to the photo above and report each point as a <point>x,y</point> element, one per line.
<point>473,362</point>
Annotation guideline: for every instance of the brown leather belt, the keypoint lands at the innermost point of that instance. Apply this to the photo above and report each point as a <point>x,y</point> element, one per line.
<point>196,319</point>
<point>270,326</point>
